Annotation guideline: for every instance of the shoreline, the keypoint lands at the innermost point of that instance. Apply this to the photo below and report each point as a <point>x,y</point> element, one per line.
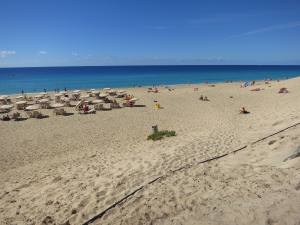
<point>150,86</point>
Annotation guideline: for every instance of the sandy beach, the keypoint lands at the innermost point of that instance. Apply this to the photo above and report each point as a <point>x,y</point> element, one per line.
<point>65,170</point>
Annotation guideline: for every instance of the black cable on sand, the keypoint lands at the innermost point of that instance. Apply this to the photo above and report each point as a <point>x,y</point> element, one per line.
<point>101,214</point>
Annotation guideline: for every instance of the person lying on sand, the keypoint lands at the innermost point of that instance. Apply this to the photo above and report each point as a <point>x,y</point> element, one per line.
<point>283,90</point>
<point>128,97</point>
<point>257,89</point>
<point>205,98</point>
<point>154,90</point>
<point>244,111</point>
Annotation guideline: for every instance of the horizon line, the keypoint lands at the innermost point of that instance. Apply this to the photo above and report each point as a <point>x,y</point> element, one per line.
<point>19,67</point>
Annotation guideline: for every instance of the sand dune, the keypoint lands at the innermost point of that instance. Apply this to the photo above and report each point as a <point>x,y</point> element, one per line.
<point>65,170</point>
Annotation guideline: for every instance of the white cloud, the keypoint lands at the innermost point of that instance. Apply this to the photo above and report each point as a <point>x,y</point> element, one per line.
<point>5,53</point>
<point>43,52</point>
<point>270,28</point>
<point>75,54</point>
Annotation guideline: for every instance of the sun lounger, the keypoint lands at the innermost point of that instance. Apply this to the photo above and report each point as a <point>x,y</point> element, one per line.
<point>15,115</point>
<point>5,117</point>
<point>128,104</point>
<point>59,111</point>
<point>99,107</point>
<point>91,111</point>
<point>79,105</point>
<point>34,114</point>
<point>115,105</point>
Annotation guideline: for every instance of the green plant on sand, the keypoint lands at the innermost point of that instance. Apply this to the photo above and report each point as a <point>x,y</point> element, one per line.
<point>158,135</point>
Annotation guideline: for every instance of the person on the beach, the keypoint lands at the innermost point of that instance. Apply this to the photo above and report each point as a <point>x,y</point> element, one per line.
<point>85,108</point>
<point>283,90</point>
<point>244,111</point>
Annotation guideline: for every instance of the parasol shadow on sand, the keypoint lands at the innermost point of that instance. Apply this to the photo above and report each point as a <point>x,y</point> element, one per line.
<point>139,105</point>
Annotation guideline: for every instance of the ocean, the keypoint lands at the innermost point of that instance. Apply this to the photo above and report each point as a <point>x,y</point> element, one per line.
<point>14,80</point>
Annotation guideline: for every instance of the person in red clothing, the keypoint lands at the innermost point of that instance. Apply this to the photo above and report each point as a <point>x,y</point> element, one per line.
<point>85,108</point>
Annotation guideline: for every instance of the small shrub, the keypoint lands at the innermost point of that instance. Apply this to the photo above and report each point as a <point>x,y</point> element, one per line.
<point>161,134</point>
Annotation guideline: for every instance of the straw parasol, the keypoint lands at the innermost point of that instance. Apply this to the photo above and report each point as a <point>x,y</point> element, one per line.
<point>97,101</point>
<point>43,100</point>
<point>85,96</point>
<point>4,96</point>
<point>65,99</point>
<point>32,107</point>
<point>95,92</point>
<point>20,97</point>
<point>57,105</point>
<point>6,107</point>
<point>133,100</point>
<point>21,102</point>
<point>103,95</point>
<point>38,96</point>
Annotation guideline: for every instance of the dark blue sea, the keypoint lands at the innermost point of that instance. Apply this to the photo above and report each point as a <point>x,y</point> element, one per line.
<point>14,80</point>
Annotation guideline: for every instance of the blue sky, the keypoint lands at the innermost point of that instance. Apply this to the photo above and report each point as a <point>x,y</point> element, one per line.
<point>140,32</point>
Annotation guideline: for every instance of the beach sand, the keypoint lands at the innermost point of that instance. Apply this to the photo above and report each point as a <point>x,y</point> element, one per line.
<point>68,169</point>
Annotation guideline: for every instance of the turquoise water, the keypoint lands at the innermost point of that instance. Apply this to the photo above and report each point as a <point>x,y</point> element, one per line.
<point>14,80</point>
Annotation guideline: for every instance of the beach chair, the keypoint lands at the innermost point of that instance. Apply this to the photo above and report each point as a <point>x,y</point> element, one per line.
<point>128,104</point>
<point>35,114</point>
<point>15,115</point>
<point>91,111</point>
<point>5,117</point>
<point>115,105</point>
<point>60,112</point>
<point>99,107</point>
<point>79,105</point>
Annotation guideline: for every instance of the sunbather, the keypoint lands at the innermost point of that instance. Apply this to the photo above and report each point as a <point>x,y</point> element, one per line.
<point>244,111</point>
<point>283,90</point>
